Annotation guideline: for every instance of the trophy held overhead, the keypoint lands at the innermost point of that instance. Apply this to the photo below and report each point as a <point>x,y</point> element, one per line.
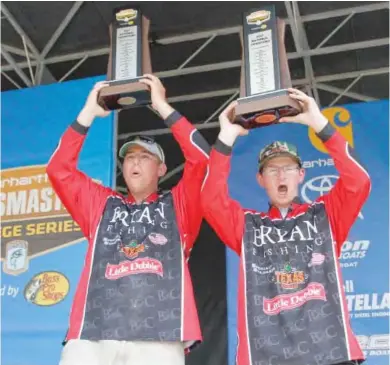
<point>129,59</point>
<point>265,76</point>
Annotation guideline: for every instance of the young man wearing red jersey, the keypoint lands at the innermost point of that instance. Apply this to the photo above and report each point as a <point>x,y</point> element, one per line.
<point>291,306</point>
<point>134,303</point>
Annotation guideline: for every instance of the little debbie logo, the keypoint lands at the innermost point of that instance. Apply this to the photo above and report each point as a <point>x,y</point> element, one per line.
<point>145,265</point>
<point>273,306</point>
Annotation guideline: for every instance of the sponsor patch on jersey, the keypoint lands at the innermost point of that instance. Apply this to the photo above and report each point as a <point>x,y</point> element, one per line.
<point>145,265</point>
<point>273,306</point>
<point>157,238</point>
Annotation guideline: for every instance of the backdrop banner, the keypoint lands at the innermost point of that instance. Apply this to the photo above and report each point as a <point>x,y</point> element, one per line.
<point>42,248</point>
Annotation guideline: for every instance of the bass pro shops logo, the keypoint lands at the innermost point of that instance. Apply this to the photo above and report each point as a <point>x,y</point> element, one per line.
<point>47,288</point>
<point>339,118</point>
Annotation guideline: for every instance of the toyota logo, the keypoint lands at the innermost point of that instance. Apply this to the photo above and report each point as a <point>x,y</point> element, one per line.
<point>318,186</point>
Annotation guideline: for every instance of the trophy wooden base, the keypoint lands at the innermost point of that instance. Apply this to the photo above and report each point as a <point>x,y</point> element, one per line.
<point>124,94</point>
<point>263,110</point>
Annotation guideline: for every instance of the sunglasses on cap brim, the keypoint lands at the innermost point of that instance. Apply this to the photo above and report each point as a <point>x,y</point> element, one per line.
<point>145,139</point>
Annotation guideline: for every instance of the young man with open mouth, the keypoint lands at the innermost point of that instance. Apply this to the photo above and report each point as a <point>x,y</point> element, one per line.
<point>134,303</point>
<point>291,302</point>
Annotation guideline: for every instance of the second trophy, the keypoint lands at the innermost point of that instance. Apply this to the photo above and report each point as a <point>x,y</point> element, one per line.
<point>265,75</point>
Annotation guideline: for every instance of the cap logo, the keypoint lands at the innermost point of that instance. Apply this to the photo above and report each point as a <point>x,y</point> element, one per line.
<point>277,147</point>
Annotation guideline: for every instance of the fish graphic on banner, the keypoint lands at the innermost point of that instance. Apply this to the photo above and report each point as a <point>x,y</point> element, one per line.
<point>34,221</point>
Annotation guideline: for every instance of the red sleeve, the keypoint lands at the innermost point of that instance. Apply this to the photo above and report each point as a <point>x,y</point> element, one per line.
<point>82,197</point>
<point>187,192</point>
<point>345,200</point>
<point>224,214</point>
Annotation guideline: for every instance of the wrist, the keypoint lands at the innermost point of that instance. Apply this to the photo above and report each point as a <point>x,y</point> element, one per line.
<point>164,109</point>
<point>227,138</point>
<point>319,124</point>
<point>85,117</point>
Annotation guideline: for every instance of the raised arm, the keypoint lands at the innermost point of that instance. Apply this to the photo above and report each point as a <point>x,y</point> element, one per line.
<point>345,200</point>
<point>224,214</point>
<point>347,197</point>
<point>196,154</point>
<point>83,198</point>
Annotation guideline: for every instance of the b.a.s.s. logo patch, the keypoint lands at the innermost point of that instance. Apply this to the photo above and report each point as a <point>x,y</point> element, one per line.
<point>16,257</point>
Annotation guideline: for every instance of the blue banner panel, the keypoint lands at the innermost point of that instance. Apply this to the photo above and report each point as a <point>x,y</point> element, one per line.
<point>42,248</point>
<point>365,255</point>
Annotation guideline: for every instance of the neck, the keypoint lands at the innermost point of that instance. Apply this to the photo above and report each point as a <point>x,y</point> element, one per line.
<point>283,206</point>
<point>283,212</point>
<point>280,206</point>
<point>140,196</point>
